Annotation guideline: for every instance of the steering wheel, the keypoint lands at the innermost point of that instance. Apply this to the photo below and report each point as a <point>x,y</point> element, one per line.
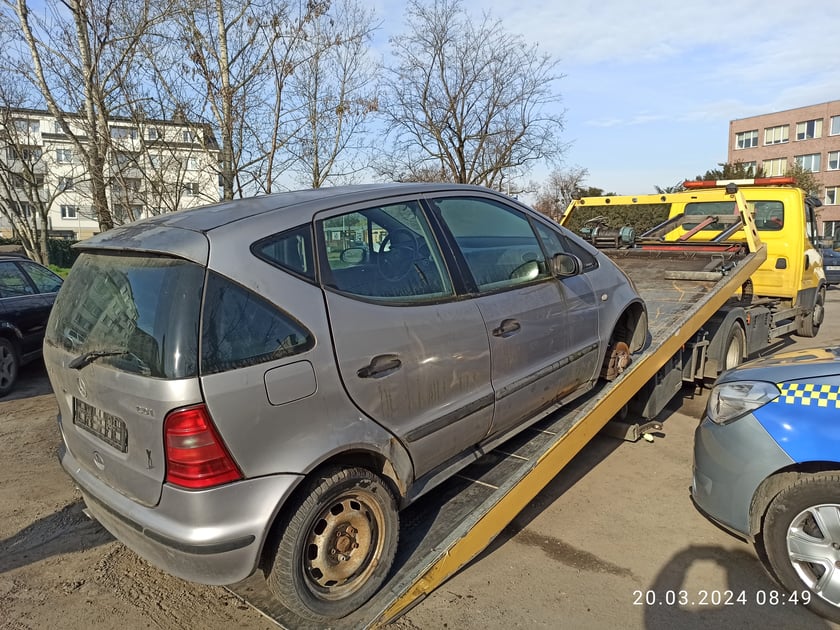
<point>397,253</point>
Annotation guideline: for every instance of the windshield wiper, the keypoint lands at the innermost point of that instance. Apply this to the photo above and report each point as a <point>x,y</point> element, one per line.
<point>89,357</point>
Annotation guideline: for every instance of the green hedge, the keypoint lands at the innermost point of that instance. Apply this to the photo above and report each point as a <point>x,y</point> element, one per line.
<point>61,251</point>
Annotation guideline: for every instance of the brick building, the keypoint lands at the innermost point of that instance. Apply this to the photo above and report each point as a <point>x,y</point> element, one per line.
<point>809,136</point>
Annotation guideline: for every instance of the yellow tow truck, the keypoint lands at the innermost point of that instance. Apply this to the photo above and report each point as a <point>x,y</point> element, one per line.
<point>721,281</point>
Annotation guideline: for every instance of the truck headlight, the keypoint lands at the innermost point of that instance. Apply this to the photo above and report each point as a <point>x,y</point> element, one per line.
<point>730,401</point>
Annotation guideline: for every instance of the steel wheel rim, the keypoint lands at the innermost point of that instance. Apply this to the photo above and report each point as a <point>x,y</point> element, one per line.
<point>733,353</point>
<point>819,309</point>
<point>813,545</point>
<point>343,546</point>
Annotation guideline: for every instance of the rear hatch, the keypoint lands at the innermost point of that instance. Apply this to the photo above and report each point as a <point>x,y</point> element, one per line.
<point>121,350</point>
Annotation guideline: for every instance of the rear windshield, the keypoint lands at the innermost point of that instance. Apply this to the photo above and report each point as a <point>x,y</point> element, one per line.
<point>769,215</point>
<point>142,311</point>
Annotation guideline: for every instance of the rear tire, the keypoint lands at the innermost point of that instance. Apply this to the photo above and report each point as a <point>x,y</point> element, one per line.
<point>808,325</point>
<point>801,540</point>
<point>9,366</point>
<point>733,349</point>
<point>336,546</point>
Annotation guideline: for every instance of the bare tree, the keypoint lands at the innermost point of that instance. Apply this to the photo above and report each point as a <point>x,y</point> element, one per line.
<point>239,55</point>
<point>81,54</point>
<point>469,98</point>
<point>559,189</point>
<point>335,86</point>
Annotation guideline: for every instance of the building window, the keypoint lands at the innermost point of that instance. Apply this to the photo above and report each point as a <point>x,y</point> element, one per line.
<point>25,180</point>
<point>124,133</point>
<point>65,183</point>
<point>191,189</point>
<point>24,208</point>
<point>833,160</point>
<point>190,136</point>
<point>152,133</point>
<point>831,195</point>
<point>64,156</point>
<point>835,126</point>
<point>57,128</point>
<point>810,162</point>
<point>809,129</point>
<point>26,154</point>
<point>192,163</point>
<point>123,158</point>
<point>69,212</point>
<point>774,168</point>
<point>25,125</point>
<point>776,135</point>
<point>746,139</point>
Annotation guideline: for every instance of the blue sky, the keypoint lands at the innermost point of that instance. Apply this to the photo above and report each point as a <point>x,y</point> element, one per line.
<point>651,85</point>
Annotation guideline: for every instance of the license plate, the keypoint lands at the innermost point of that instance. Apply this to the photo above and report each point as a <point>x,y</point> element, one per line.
<point>107,427</point>
<point>832,268</point>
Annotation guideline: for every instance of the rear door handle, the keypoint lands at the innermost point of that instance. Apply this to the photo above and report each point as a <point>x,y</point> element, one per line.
<point>379,366</point>
<point>507,328</point>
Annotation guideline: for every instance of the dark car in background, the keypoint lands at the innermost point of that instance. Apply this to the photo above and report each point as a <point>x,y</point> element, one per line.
<point>767,468</point>
<point>831,266</point>
<point>27,293</point>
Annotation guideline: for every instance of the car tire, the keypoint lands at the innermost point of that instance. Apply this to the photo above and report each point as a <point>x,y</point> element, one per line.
<point>808,325</point>
<point>9,365</point>
<point>795,522</point>
<point>733,349</point>
<point>336,546</point>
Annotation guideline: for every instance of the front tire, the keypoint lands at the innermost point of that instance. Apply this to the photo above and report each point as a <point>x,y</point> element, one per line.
<point>9,366</point>
<point>336,546</point>
<point>801,539</point>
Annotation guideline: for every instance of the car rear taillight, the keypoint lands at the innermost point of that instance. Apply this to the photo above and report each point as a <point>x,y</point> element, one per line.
<point>196,457</point>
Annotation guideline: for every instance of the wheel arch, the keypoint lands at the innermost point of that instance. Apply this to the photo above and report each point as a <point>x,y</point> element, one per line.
<point>772,485</point>
<point>631,326</point>
<point>393,467</point>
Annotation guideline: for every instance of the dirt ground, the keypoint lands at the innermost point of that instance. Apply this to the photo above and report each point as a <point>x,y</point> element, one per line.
<point>609,543</point>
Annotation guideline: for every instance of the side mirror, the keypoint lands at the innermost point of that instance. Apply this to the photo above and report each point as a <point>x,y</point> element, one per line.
<point>353,255</point>
<point>565,265</point>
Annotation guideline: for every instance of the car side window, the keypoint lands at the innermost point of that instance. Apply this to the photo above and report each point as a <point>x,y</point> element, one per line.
<point>44,279</point>
<point>386,254</point>
<point>556,242</point>
<point>497,242</point>
<point>239,328</point>
<point>13,282</point>
<point>291,250</point>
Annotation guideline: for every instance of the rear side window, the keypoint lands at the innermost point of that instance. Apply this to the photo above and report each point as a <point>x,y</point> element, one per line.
<point>44,279</point>
<point>291,250</point>
<point>239,329</point>
<point>141,310</point>
<point>12,281</point>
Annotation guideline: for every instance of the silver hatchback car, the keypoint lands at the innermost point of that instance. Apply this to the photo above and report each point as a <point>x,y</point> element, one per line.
<point>263,384</point>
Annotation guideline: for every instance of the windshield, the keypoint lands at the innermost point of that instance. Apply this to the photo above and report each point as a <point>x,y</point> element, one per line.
<point>138,313</point>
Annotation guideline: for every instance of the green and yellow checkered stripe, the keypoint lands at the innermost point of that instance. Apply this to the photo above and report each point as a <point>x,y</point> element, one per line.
<point>809,394</point>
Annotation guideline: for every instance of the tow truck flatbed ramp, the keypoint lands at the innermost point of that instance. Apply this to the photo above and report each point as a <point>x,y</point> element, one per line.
<point>447,528</point>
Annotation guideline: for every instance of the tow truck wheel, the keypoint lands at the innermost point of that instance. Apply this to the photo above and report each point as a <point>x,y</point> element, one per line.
<point>733,351</point>
<point>808,325</point>
<point>801,541</point>
<point>337,545</point>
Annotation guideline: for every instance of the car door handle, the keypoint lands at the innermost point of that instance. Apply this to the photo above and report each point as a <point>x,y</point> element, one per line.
<point>507,328</point>
<point>379,366</point>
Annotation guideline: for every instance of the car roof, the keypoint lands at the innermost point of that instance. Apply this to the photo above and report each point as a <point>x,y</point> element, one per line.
<point>186,231</point>
<point>306,202</point>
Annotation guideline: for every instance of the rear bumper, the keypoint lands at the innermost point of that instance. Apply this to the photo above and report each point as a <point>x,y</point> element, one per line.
<point>210,536</point>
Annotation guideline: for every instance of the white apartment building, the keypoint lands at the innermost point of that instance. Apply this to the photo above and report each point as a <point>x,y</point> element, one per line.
<point>152,167</point>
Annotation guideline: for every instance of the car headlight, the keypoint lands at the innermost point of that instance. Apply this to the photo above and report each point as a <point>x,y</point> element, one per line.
<point>730,401</point>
